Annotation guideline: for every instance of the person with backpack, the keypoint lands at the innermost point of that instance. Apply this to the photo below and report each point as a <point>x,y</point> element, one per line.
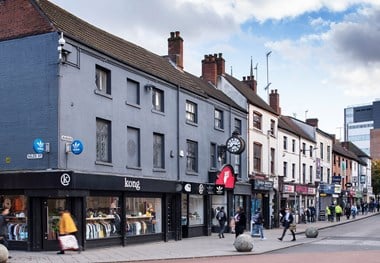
<point>259,221</point>
<point>222,219</point>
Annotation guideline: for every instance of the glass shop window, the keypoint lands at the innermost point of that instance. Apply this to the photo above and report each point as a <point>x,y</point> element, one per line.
<point>143,215</point>
<point>102,217</point>
<point>17,218</point>
<point>196,209</point>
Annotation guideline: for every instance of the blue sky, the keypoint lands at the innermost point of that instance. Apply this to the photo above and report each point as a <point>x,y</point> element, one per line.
<point>325,55</point>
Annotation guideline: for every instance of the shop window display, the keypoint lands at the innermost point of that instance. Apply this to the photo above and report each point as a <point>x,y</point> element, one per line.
<point>143,215</point>
<point>196,209</point>
<point>17,218</point>
<point>102,217</point>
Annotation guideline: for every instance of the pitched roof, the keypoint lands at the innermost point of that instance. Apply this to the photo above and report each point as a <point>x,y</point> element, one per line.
<point>213,92</point>
<point>289,124</point>
<point>340,150</point>
<point>251,96</point>
<point>127,52</point>
<point>355,149</point>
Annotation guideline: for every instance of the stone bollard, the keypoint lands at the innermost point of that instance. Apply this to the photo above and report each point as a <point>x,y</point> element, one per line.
<point>311,232</point>
<point>3,254</point>
<point>244,243</point>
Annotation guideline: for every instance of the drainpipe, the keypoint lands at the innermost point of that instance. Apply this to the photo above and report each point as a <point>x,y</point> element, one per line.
<point>178,137</point>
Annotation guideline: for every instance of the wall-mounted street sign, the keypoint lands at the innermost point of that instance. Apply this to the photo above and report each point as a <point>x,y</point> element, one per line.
<point>38,145</point>
<point>77,147</point>
<point>67,138</point>
<point>31,156</point>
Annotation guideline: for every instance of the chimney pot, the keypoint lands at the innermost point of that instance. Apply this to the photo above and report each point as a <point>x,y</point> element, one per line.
<point>175,48</point>
<point>250,82</point>
<point>274,101</point>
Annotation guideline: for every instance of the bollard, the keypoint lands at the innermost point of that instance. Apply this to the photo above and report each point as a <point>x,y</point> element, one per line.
<point>3,254</point>
<point>244,243</point>
<point>311,232</point>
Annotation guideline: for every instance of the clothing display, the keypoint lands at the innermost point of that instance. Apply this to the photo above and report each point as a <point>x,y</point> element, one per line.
<point>100,229</point>
<point>17,227</point>
<point>139,227</point>
<point>17,232</point>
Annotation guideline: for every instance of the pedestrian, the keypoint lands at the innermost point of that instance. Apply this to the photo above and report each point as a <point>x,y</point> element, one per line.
<point>4,228</point>
<point>312,211</point>
<point>287,219</point>
<point>328,212</point>
<point>347,211</point>
<point>332,211</point>
<point>240,221</point>
<point>354,211</point>
<point>308,215</point>
<point>66,226</point>
<point>259,221</point>
<point>338,212</point>
<point>222,219</point>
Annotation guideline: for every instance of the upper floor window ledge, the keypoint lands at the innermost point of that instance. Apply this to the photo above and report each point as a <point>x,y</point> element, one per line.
<point>192,173</point>
<point>159,170</point>
<point>96,91</point>
<point>191,123</point>
<point>133,168</point>
<point>103,163</point>
<point>132,105</point>
<point>158,112</point>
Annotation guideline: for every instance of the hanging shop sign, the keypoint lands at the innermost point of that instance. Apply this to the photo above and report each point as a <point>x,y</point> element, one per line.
<point>262,185</point>
<point>226,177</point>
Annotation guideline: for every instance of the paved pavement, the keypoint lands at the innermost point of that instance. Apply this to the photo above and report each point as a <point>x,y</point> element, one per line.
<point>207,246</point>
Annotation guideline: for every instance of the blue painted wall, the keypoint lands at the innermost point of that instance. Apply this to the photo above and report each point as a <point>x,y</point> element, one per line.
<point>28,100</point>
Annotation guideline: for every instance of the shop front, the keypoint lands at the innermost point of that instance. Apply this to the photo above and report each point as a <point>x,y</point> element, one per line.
<point>328,194</point>
<point>196,208</point>
<point>261,190</point>
<point>108,209</point>
<point>229,194</point>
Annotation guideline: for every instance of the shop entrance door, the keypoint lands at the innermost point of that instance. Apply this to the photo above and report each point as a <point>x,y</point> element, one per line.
<point>50,218</point>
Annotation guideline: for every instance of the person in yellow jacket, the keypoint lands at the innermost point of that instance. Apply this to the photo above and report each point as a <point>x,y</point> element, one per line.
<point>66,225</point>
<point>338,212</point>
<point>328,213</point>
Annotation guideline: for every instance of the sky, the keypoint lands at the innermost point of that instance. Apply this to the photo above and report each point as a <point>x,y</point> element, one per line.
<point>320,55</point>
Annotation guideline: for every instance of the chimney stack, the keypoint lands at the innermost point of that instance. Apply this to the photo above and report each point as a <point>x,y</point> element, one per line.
<point>313,122</point>
<point>210,68</point>
<point>175,49</point>
<point>220,64</point>
<point>251,82</point>
<point>274,101</point>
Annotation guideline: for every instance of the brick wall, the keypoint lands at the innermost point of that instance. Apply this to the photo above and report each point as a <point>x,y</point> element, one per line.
<point>375,144</point>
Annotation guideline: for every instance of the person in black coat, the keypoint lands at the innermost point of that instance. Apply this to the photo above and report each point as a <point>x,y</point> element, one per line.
<point>222,219</point>
<point>287,219</point>
<point>240,221</point>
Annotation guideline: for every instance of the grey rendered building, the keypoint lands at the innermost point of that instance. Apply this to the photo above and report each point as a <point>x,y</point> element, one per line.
<point>125,139</point>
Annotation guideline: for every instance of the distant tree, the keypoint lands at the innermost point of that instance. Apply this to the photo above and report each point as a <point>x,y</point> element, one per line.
<point>376,177</point>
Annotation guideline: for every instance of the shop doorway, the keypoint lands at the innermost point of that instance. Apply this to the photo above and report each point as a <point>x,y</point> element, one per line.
<point>50,219</point>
